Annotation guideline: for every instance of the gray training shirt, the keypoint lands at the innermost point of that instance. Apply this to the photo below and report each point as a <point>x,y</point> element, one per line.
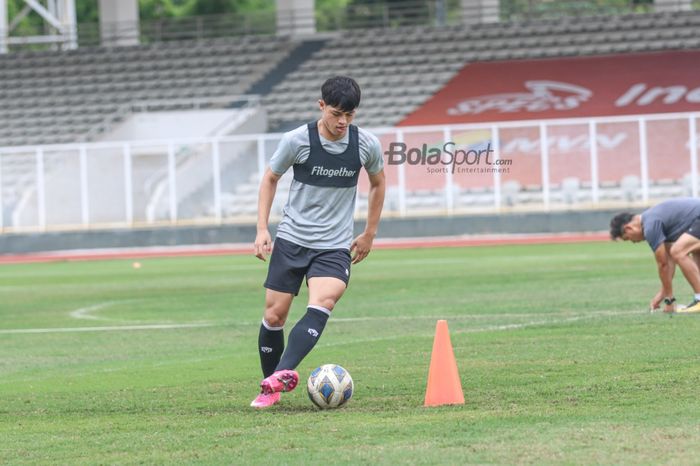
<point>668,220</point>
<point>321,217</point>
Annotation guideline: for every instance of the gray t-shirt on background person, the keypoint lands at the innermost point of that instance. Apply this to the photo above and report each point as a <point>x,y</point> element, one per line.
<point>321,217</point>
<point>666,221</point>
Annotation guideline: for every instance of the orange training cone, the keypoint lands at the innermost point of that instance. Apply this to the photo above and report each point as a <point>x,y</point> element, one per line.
<point>444,386</point>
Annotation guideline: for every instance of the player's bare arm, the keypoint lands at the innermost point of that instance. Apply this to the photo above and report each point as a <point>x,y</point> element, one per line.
<point>263,240</point>
<point>362,245</point>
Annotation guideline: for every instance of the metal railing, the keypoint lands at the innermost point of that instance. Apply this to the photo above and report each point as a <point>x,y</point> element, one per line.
<point>582,163</point>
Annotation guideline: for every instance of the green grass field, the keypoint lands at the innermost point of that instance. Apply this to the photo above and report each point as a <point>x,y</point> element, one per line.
<point>559,362</point>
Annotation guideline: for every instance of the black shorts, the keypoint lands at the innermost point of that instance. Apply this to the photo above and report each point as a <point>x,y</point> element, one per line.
<point>289,263</point>
<point>694,229</point>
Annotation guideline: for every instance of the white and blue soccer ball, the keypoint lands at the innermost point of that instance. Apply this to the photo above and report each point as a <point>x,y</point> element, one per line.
<point>329,386</point>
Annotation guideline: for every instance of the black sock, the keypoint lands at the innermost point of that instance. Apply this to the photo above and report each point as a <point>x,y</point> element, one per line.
<point>270,346</point>
<point>303,337</point>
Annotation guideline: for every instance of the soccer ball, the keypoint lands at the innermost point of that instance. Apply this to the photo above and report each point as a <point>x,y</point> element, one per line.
<point>329,386</point>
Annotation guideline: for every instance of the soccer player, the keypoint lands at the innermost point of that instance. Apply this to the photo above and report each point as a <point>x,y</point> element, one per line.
<point>315,236</point>
<point>672,229</point>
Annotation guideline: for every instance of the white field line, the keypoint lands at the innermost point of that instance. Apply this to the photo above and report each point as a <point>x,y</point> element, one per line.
<point>488,328</point>
<point>447,317</point>
<point>84,312</point>
<point>116,328</point>
<point>504,327</point>
<point>536,323</point>
<point>498,328</point>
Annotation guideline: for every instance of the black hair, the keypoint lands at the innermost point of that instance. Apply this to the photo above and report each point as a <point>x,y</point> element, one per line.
<point>618,222</point>
<point>341,92</point>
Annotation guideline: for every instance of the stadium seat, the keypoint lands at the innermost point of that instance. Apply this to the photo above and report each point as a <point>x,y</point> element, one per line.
<point>406,65</point>
<point>97,80</point>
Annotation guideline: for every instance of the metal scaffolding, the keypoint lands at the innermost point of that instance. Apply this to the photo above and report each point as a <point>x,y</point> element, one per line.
<point>59,16</point>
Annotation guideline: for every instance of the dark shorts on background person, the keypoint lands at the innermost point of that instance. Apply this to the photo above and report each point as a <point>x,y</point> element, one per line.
<point>289,263</point>
<point>694,229</point>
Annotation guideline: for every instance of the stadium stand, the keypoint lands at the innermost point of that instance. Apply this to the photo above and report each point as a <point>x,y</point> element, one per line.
<point>401,68</point>
<point>57,97</point>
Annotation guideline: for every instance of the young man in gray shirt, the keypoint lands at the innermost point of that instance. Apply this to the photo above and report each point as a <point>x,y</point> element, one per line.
<point>672,229</point>
<point>315,236</point>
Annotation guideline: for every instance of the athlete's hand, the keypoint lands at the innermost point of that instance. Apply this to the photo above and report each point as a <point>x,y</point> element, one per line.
<point>361,247</point>
<point>655,302</point>
<point>263,244</point>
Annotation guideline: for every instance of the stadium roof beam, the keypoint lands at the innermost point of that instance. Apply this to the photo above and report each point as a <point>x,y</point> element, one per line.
<point>480,11</point>
<point>59,14</point>
<point>672,5</point>
<point>119,22</point>
<point>4,27</point>
<point>296,17</point>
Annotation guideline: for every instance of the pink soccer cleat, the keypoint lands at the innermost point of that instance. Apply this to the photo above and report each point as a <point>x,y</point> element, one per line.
<point>265,400</point>
<point>281,381</point>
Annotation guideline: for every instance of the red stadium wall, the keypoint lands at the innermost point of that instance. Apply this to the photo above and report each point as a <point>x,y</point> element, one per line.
<point>563,88</point>
<point>566,88</point>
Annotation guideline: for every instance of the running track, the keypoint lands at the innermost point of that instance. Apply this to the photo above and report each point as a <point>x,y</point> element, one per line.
<point>239,249</point>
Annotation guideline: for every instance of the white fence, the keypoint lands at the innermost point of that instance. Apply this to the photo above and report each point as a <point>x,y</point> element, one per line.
<point>533,165</point>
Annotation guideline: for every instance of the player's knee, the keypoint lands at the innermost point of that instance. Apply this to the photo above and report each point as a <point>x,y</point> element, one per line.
<point>274,320</point>
<point>275,315</point>
<point>327,303</point>
<point>677,253</point>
